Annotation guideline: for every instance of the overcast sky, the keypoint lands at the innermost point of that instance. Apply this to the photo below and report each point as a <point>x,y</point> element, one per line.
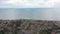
<point>29,3</point>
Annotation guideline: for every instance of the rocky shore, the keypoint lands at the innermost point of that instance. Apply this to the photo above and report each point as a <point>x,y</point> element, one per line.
<point>25,26</point>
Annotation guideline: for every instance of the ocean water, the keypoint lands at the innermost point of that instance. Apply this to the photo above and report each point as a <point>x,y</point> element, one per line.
<point>30,13</point>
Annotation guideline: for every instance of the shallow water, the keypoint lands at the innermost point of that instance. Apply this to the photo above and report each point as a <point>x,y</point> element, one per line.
<point>30,13</point>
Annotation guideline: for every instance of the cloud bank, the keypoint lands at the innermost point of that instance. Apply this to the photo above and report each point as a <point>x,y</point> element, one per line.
<point>29,3</point>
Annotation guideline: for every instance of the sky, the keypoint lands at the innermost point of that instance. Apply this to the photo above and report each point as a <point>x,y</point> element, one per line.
<point>29,3</point>
<point>30,9</point>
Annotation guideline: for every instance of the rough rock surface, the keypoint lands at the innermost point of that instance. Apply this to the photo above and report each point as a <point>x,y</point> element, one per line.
<point>25,26</point>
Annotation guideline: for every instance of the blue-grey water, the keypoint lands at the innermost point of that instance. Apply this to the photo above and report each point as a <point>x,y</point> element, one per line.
<point>30,13</point>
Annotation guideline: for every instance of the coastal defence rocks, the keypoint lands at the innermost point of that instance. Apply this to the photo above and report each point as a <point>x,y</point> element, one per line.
<point>25,26</point>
